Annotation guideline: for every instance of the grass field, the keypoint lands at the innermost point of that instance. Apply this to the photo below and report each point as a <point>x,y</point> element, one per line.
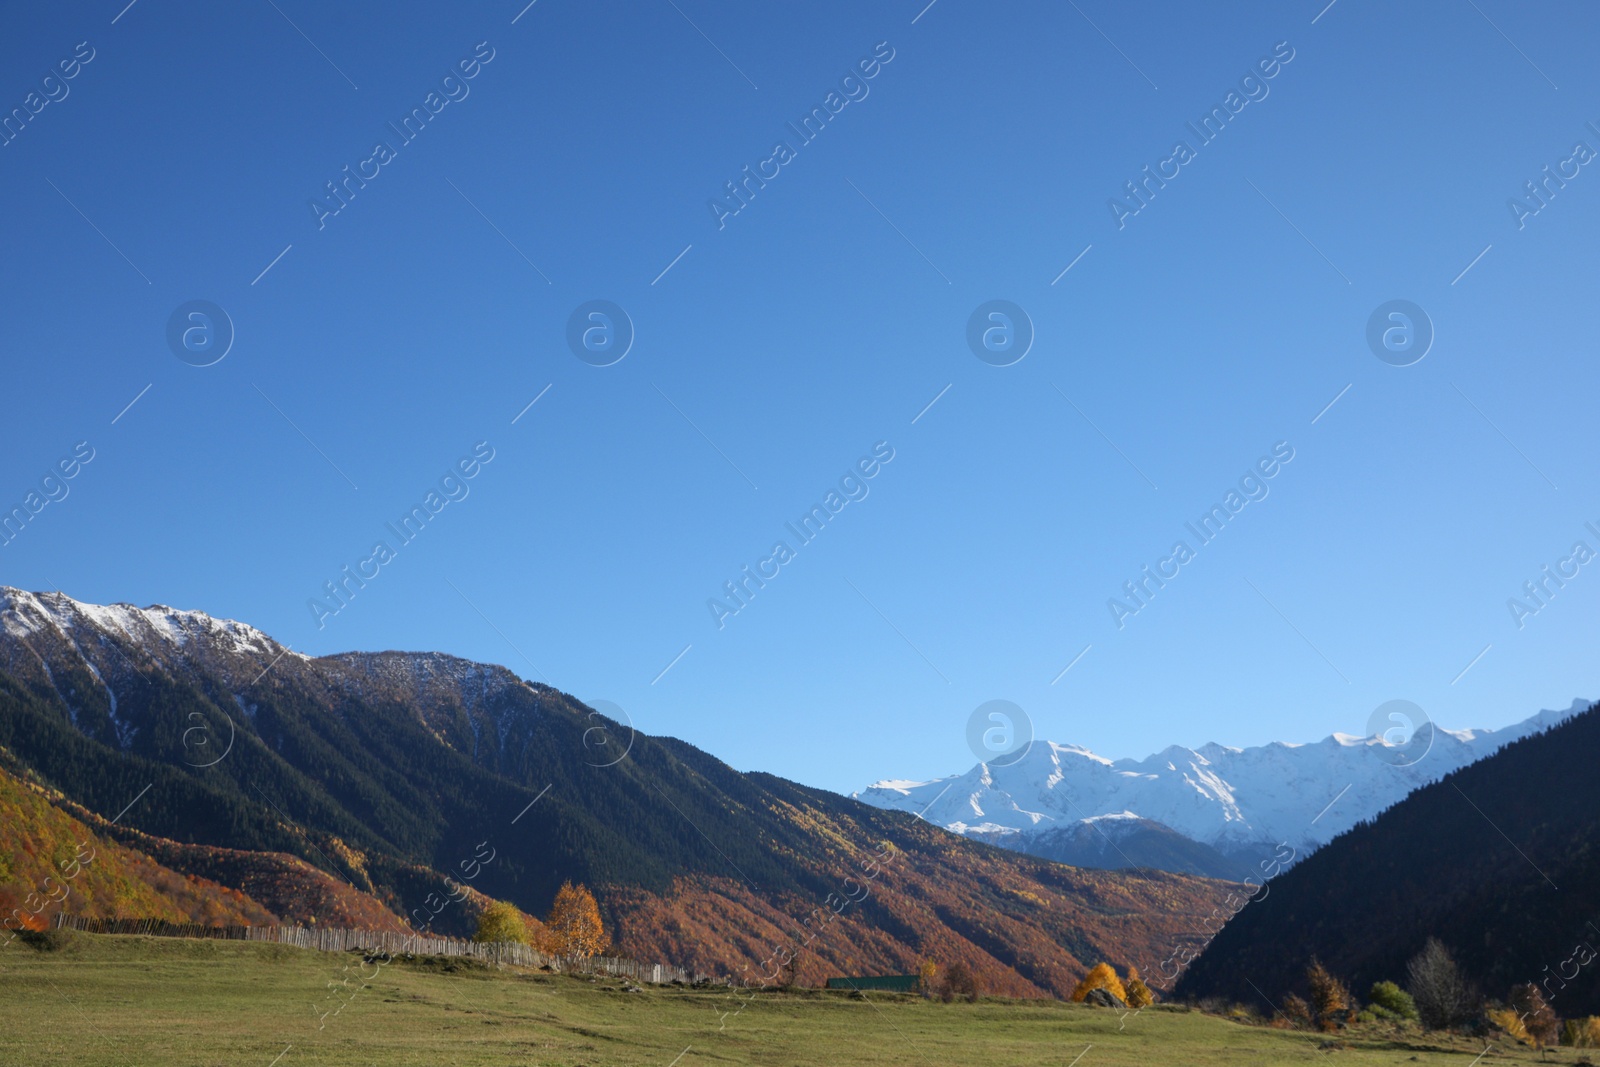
<point>177,1003</point>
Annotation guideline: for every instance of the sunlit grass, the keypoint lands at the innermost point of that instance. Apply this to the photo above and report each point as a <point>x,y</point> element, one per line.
<point>127,1000</point>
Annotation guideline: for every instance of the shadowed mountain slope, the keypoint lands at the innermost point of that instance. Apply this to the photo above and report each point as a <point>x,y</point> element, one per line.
<point>1499,860</point>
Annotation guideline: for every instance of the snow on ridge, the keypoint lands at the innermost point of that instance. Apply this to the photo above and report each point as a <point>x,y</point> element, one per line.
<point>15,623</point>
<point>902,785</point>
<point>1304,794</point>
<point>1056,750</point>
<point>26,613</point>
<point>986,828</point>
<point>1114,816</point>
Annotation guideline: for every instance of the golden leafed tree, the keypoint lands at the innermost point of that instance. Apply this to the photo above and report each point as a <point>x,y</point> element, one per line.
<point>575,927</point>
<point>1139,995</point>
<point>1100,976</point>
<point>500,921</point>
<point>1329,996</point>
<point>1582,1033</point>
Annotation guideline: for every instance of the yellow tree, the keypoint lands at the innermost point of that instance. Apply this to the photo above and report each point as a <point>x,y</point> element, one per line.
<point>1100,976</point>
<point>575,927</point>
<point>500,921</point>
<point>1139,995</point>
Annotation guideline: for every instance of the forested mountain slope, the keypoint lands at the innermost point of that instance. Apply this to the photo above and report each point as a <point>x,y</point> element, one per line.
<point>1500,861</point>
<point>393,771</point>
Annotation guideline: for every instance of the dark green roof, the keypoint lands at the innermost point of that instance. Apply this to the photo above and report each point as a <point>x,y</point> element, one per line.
<point>899,983</point>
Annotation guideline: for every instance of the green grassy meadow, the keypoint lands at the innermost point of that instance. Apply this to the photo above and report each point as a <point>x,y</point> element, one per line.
<point>104,1000</point>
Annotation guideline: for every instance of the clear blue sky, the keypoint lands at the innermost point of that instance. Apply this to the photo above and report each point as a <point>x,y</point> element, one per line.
<point>820,320</point>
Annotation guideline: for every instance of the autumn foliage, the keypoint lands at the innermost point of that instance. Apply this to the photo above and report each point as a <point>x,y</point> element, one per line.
<point>52,860</point>
<point>1295,1012</point>
<point>574,927</point>
<point>959,981</point>
<point>1100,976</point>
<point>1139,995</point>
<point>1540,1023</point>
<point>1330,999</point>
<point>1581,1033</point>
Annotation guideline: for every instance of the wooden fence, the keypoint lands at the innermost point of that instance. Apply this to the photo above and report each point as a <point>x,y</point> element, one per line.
<point>333,939</point>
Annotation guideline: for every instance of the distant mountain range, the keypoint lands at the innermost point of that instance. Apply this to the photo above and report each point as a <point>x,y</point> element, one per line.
<point>1500,861</point>
<point>241,781</point>
<point>1214,811</point>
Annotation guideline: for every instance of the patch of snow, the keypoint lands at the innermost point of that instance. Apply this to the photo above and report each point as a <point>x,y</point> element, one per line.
<point>1113,817</point>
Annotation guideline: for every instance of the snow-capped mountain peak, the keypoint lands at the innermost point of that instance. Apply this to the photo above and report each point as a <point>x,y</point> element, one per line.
<point>1236,800</point>
<point>23,613</point>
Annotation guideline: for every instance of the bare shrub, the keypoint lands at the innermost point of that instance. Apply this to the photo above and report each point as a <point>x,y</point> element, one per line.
<point>1443,995</point>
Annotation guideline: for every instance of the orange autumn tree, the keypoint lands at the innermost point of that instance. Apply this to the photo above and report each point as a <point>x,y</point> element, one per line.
<point>574,926</point>
<point>1100,976</point>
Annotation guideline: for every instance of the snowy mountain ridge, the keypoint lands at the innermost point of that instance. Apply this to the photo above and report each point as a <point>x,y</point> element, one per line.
<point>1236,800</point>
<point>23,613</point>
